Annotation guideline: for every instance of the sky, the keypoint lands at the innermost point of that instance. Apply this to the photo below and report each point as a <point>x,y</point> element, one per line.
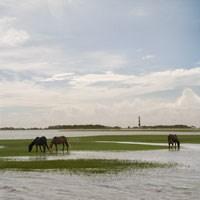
<point>99,62</point>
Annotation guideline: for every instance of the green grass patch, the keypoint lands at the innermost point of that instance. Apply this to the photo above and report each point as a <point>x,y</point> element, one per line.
<point>195,139</point>
<point>101,146</point>
<point>90,143</point>
<point>80,165</point>
<point>20,147</point>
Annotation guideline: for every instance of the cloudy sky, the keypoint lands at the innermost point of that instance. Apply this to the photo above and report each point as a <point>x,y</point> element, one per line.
<point>99,61</point>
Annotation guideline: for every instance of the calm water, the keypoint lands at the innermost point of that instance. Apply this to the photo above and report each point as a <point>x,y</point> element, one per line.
<point>51,133</point>
<point>181,182</point>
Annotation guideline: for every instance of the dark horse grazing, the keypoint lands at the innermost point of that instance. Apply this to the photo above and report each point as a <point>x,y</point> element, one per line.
<point>59,140</point>
<point>173,141</point>
<point>39,141</point>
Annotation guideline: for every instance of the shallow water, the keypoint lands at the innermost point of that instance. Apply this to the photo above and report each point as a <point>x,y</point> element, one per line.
<point>29,134</point>
<point>180,182</point>
<point>144,184</point>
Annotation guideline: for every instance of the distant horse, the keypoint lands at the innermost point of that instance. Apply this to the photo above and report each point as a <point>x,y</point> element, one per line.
<point>173,141</point>
<point>59,140</point>
<point>39,141</point>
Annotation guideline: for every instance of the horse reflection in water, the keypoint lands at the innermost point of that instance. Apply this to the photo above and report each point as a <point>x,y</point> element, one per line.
<point>59,140</point>
<point>173,142</point>
<point>39,141</point>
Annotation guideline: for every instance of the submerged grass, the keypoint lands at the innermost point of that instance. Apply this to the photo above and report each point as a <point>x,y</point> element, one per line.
<point>80,165</point>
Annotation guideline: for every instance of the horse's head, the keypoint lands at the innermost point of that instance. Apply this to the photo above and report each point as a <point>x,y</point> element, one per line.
<point>30,147</point>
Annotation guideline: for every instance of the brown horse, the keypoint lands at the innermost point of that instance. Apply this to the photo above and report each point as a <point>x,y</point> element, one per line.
<point>173,141</point>
<point>59,140</point>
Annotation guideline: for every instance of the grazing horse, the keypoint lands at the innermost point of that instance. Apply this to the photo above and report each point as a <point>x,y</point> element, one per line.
<point>173,141</point>
<point>39,141</point>
<point>59,140</point>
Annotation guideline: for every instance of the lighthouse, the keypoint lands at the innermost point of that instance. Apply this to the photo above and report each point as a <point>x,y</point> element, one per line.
<point>139,122</point>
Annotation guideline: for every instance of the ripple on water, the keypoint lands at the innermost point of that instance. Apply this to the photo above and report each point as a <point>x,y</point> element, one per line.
<point>146,184</point>
<point>181,182</point>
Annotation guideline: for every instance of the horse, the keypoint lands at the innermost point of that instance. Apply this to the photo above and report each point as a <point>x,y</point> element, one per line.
<point>59,140</point>
<point>173,141</point>
<point>39,141</point>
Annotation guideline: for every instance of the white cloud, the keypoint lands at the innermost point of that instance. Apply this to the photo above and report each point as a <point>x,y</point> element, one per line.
<point>148,57</point>
<point>40,59</point>
<point>55,60</point>
<point>134,84</point>
<point>75,55</point>
<point>87,100</point>
<point>44,107</point>
<point>9,35</point>
<point>59,77</point>
<point>188,100</point>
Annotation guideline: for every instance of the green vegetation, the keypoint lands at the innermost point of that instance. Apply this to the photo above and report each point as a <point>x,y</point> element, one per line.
<point>80,165</point>
<point>195,139</point>
<point>20,147</point>
<point>89,143</point>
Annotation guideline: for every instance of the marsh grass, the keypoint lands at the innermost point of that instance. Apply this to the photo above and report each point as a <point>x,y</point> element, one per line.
<point>90,143</point>
<point>140,138</point>
<point>80,165</point>
<point>20,147</point>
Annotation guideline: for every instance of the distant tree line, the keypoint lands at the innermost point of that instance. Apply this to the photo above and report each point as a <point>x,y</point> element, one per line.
<point>13,128</point>
<point>87,126</point>
<point>177,126</point>
<point>99,126</point>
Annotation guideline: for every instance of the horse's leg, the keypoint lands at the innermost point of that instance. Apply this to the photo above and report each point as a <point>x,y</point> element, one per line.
<point>44,148</point>
<point>172,146</point>
<point>63,147</point>
<point>67,145</point>
<point>46,145</point>
<point>56,148</point>
<point>36,148</point>
<point>40,148</point>
<point>51,147</point>
<point>175,145</point>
